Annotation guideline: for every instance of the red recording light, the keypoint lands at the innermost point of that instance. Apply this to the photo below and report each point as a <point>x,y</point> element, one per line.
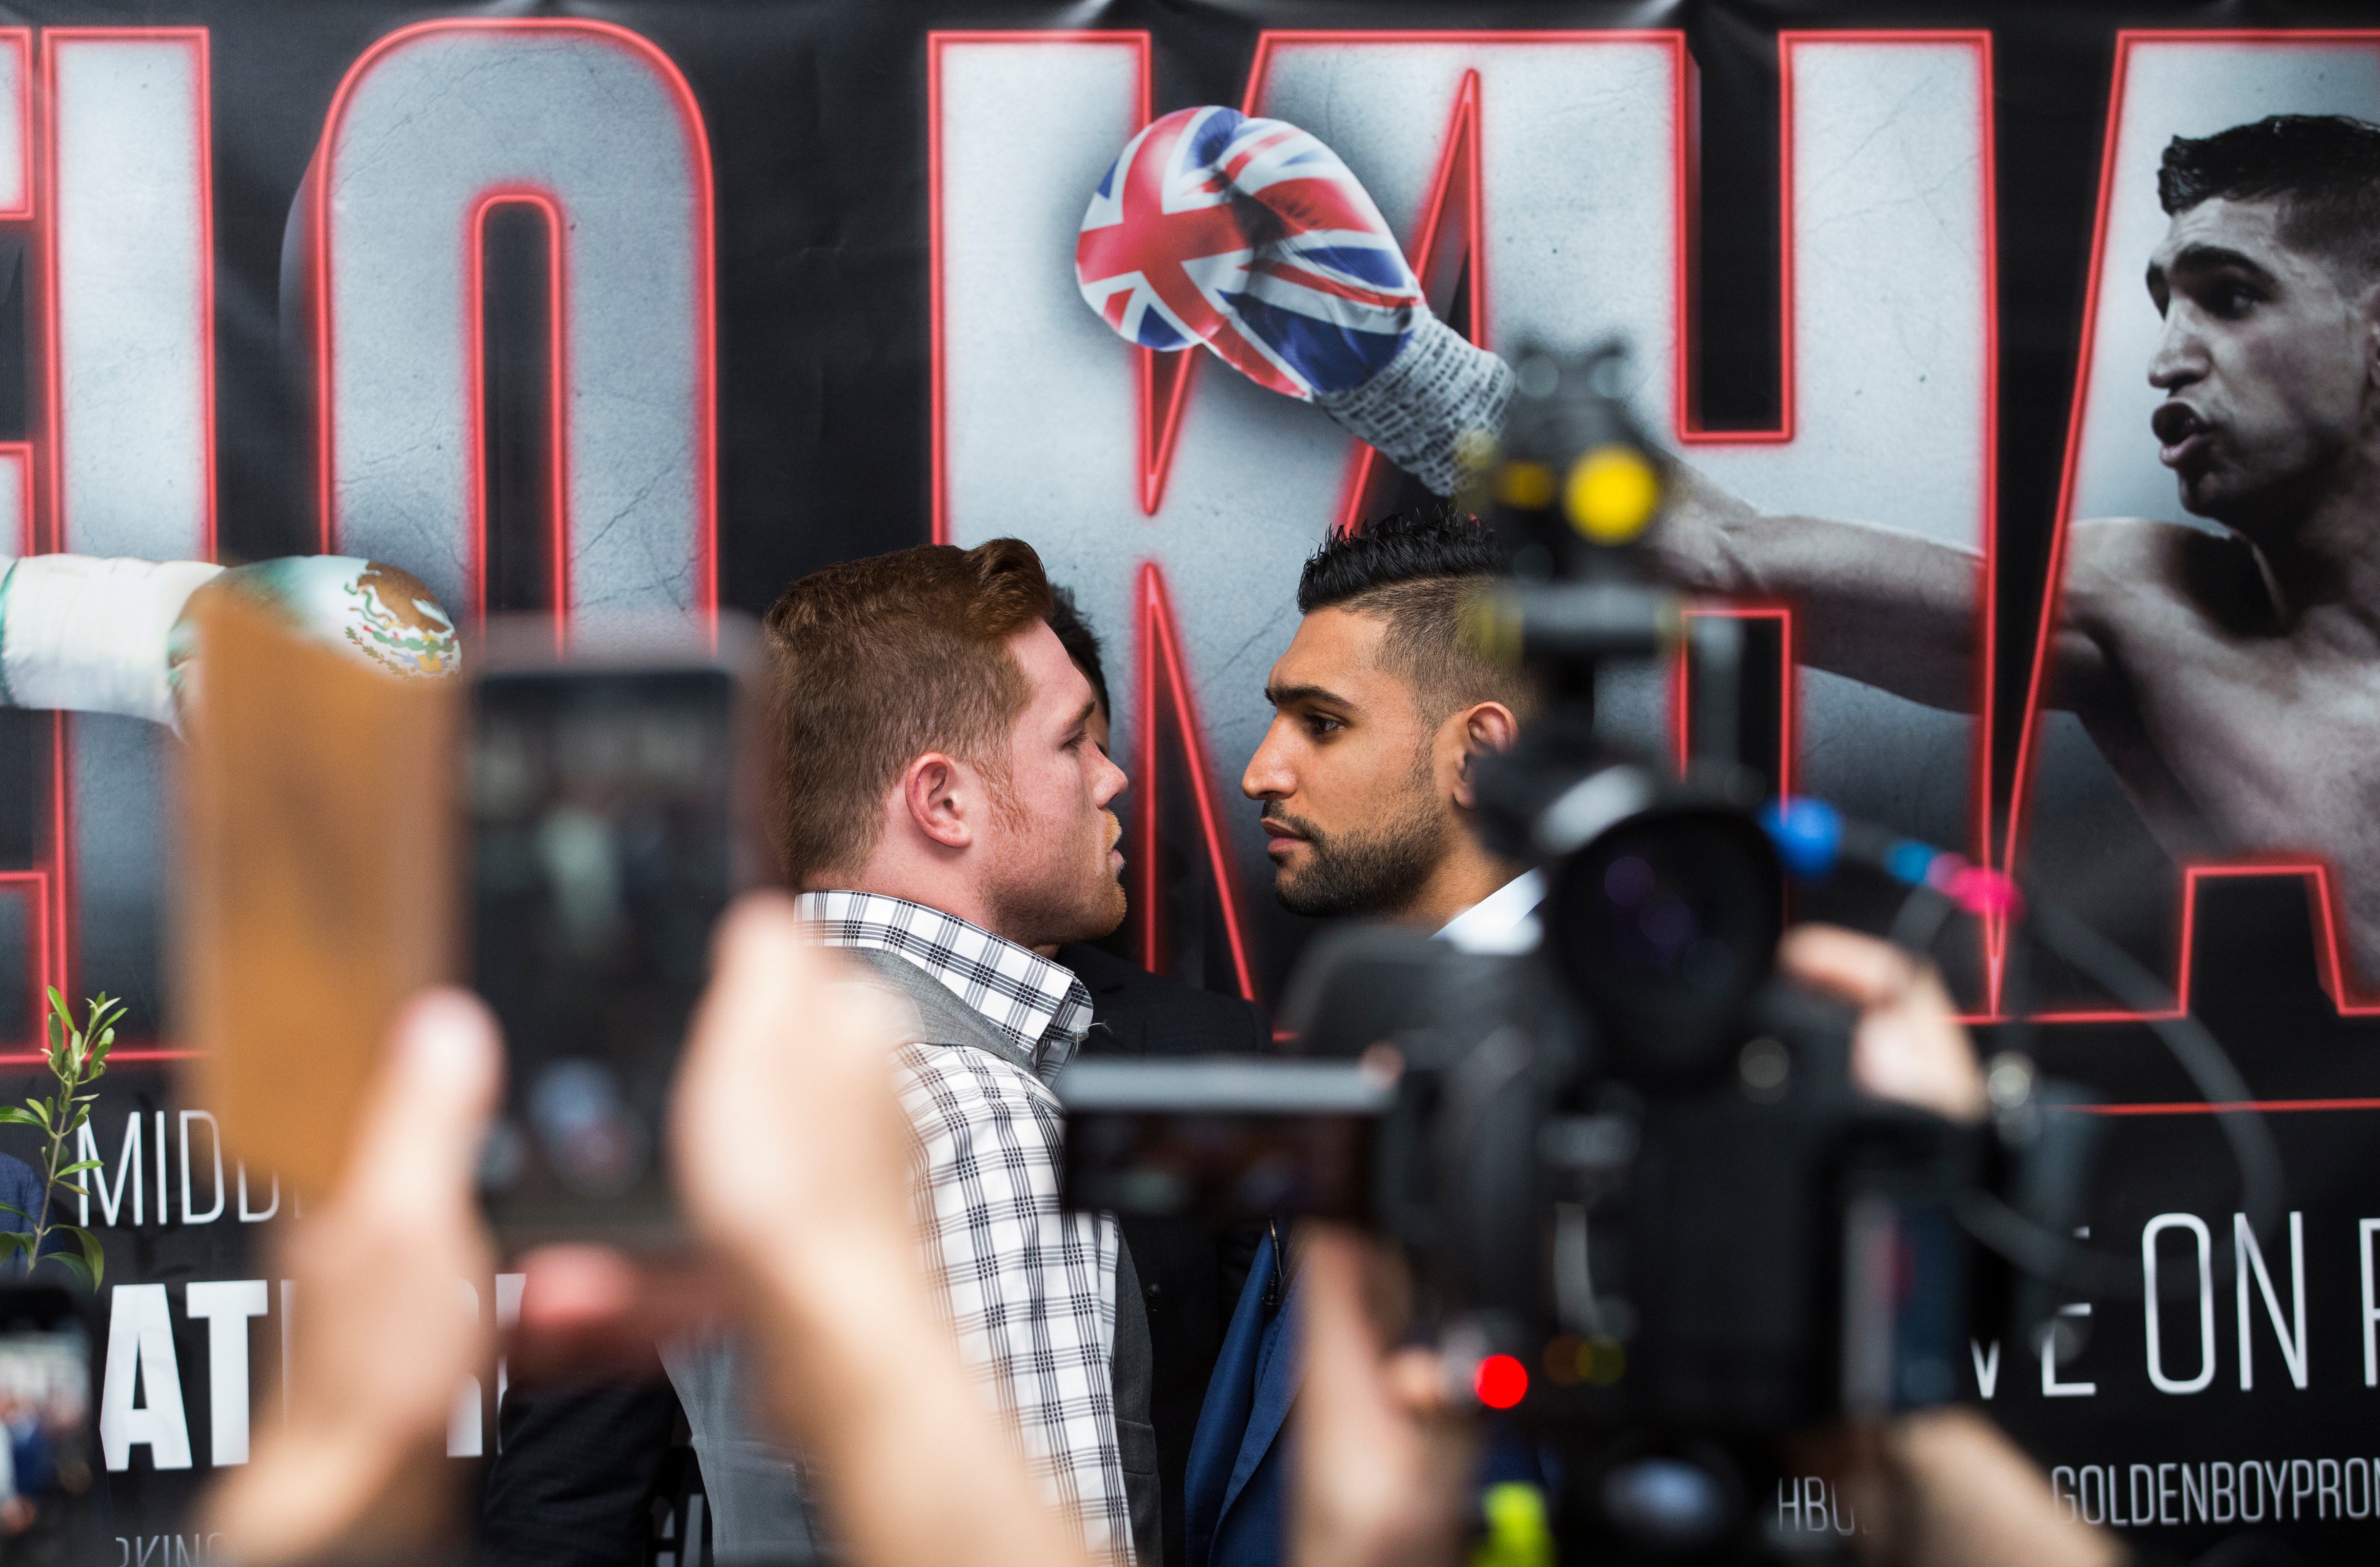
<point>1500,1381</point>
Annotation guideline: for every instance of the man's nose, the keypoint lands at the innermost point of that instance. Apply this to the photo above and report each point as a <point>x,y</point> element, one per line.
<point>1112,780</point>
<point>2181,357</point>
<point>1268,777</point>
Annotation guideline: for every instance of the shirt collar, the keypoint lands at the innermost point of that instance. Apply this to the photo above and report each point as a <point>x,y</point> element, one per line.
<point>1502,923</point>
<point>1038,1003</point>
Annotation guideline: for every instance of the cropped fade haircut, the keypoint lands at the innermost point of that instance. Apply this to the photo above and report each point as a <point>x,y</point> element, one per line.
<point>874,662</point>
<point>1082,643</point>
<point>2324,169</point>
<point>1415,571</point>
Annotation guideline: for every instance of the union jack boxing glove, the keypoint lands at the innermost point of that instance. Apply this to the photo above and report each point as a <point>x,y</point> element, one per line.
<point>87,635</point>
<point>1251,236</point>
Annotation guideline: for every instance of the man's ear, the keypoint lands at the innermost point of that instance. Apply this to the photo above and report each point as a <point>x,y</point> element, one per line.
<point>1479,730</point>
<point>931,793</point>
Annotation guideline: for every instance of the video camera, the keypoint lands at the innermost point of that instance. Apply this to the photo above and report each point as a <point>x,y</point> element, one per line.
<point>1645,1204</point>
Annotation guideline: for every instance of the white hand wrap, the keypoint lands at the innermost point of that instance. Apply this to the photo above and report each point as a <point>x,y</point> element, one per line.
<point>91,635</point>
<point>1437,390</point>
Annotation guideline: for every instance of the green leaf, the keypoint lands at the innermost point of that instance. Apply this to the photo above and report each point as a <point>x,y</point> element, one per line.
<point>94,1256</point>
<point>76,1168</point>
<point>18,1212</point>
<point>78,1265</point>
<point>11,1115</point>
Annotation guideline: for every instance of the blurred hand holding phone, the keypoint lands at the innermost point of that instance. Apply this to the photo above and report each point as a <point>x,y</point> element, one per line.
<point>560,829</point>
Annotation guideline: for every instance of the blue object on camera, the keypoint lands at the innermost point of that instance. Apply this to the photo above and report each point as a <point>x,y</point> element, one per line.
<point>1908,860</point>
<point>1808,835</point>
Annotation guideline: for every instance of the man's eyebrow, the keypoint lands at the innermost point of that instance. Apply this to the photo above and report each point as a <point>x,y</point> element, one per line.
<point>1083,718</point>
<point>1282,696</point>
<point>2212,257</point>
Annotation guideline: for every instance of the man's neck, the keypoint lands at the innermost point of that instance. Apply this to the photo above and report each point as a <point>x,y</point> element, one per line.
<point>935,893</point>
<point>2323,568</point>
<point>1461,880</point>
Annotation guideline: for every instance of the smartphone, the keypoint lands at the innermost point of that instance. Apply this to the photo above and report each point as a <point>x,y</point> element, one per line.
<point>1223,1139</point>
<point>46,1424</point>
<point>607,809</point>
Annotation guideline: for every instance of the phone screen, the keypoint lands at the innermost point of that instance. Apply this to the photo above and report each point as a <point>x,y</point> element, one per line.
<point>45,1458</point>
<point>1223,1137</point>
<point>603,851</point>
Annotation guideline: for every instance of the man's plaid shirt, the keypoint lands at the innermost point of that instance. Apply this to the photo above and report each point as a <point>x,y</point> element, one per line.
<point>1031,1288</point>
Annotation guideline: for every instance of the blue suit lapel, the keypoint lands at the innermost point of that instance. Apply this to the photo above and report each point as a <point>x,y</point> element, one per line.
<point>1213,1474</point>
<point>1277,1376</point>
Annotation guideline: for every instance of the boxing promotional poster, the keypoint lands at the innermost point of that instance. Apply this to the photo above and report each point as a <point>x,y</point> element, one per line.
<point>2036,453</point>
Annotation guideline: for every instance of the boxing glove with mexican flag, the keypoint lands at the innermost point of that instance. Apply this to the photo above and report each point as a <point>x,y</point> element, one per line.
<point>87,635</point>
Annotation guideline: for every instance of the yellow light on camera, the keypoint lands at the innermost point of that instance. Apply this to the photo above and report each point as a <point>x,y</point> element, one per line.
<point>1611,494</point>
<point>1526,487</point>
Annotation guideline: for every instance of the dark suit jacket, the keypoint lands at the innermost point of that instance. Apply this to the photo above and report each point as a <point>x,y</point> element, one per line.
<point>575,1483</point>
<point>1190,1276</point>
<point>577,1475</point>
<point>1231,1495</point>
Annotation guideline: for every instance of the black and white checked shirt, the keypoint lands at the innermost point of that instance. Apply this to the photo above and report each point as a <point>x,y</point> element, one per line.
<point>1029,1287</point>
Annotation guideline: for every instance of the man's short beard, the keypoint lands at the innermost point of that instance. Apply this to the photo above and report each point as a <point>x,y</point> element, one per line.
<point>1044,905</point>
<point>1379,873</point>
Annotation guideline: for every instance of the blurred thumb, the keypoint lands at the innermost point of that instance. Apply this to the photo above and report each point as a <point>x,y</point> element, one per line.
<point>429,1105</point>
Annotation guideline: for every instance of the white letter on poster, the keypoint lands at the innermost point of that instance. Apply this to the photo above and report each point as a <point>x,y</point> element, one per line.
<point>214,1135</point>
<point>141,1353</point>
<point>509,1300</point>
<point>225,1307</point>
<point>2250,1258</point>
<point>2197,1227</point>
<point>128,1171</point>
<point>128,257</point>
<point>2364,1230</point>
<point>250,1216</point>
<point>592,123</point>
<point>2050,1385</point>
<point>464,1437</point>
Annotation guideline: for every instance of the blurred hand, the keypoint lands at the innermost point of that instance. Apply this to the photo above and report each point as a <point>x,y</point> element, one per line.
<point>791,1056</point>
<point>1947,1488</point>
<point>379,1342</point>
<point>789,1152</point>
<point>1907,1045</point>
<point>1384,1462</point>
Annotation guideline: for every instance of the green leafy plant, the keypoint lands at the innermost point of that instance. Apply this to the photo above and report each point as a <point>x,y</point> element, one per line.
<point>78,1058</point>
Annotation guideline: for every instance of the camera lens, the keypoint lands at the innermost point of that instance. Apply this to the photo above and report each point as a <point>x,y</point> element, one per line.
<point>1664,924</point>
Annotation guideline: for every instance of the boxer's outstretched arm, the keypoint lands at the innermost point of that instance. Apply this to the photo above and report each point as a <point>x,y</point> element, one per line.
<point>1886,608</point>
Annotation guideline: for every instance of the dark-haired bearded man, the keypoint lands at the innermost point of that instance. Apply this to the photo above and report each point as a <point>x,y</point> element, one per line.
<point>1382,715</point>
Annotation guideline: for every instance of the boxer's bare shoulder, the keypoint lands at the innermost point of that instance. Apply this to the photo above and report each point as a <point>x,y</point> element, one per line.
<point>2141,595</point>
<point>2123,570</point>
<point>2229,735</point>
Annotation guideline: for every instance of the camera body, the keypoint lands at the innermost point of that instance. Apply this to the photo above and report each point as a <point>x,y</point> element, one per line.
<point>1733,1253</point>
